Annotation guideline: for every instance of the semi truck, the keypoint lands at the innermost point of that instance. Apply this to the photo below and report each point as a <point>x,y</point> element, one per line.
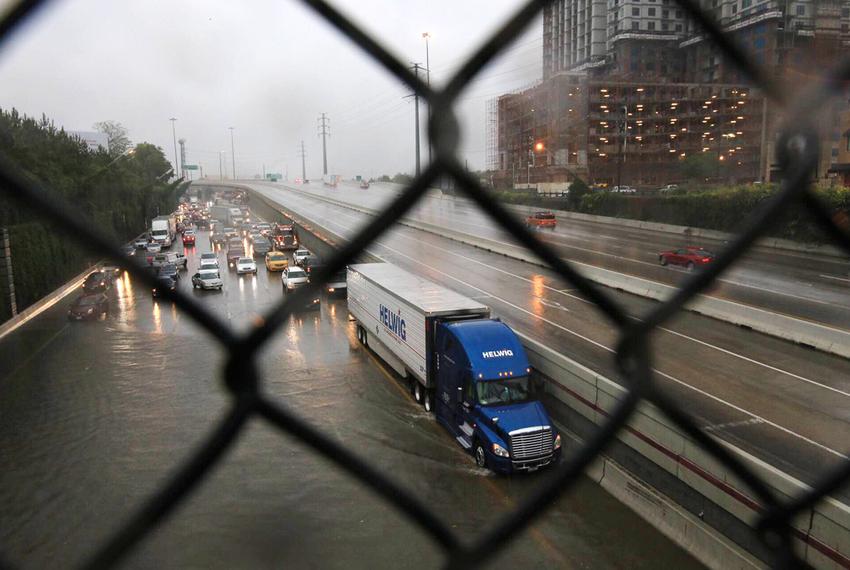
<point>468,369</point>
<point>163,230</point>
<point>284,237</point>
<point>228,214</point>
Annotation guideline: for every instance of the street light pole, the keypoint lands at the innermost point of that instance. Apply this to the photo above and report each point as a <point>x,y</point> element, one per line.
<point>220,165</point>
<point>427,35</point>
<point>174,133</point>
<point>232,154</point>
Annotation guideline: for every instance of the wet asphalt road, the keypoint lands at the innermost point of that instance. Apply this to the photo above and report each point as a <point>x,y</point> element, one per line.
<point>802,285</point>
<point>781,402</point>
<point>95,416</point>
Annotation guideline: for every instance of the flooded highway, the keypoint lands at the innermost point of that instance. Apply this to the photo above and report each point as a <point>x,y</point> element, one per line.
<point>96,415</point>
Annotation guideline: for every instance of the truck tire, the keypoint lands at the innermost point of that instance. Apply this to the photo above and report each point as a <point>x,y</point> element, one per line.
<point>480,455</point>
<point>418,392</point>
<point>429,401</point>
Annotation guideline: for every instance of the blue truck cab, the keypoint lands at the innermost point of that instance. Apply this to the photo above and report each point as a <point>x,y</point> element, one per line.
<point>483,397</point>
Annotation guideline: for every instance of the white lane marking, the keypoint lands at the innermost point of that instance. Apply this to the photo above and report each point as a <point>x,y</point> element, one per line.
<point>664,329</point>
<point>775,292</point>
<point>735,424</point>
<point>836,278</point>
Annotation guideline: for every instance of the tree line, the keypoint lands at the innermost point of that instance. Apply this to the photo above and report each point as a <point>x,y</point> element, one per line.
<point>116,191</point>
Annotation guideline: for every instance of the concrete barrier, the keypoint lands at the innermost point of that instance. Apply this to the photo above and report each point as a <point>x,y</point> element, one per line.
<point>48,300</point>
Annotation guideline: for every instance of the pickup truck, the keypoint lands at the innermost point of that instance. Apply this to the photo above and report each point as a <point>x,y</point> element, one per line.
<point>541,220</point>
<point>164,258</point>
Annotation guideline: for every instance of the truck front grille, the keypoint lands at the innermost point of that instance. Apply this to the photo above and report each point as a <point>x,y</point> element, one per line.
<point>532,443</point>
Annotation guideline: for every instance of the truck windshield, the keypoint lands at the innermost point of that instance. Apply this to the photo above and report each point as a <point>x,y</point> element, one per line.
<point>501,392</point>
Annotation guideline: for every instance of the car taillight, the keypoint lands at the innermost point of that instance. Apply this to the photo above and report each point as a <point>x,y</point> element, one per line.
<point>706,259</point>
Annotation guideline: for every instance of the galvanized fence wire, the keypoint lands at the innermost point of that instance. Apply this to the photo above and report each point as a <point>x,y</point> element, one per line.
<point>798,152</point>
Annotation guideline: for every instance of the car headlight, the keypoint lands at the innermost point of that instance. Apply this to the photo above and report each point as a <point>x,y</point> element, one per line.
<point>558,441</point>
<point>500,451</point>
<point>90,310</point>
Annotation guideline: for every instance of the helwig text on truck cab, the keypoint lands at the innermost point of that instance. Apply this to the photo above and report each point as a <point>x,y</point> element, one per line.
<point>468,369</point>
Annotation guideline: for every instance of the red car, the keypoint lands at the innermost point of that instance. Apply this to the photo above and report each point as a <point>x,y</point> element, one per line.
<point>541,220</point>
<point>690,257</point>
<point>189,238</point>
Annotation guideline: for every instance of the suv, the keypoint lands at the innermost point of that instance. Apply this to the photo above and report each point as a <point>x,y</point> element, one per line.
<point>300,255</point>
<point>169,257</point>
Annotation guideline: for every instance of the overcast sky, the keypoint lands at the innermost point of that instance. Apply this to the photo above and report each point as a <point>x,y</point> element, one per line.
<point>266,68</point>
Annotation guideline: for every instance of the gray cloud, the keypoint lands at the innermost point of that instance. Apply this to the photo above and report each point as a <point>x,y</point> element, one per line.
<point>266,68</point>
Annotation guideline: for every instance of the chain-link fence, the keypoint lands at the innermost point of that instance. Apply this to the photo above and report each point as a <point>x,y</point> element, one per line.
<point>797,155</point>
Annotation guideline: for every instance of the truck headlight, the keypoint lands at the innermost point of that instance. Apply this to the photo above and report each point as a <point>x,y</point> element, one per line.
<point>558,441</point>
<point>500,451</point>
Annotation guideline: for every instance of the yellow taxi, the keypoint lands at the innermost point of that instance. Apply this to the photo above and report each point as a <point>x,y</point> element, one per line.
<point>276,261</point>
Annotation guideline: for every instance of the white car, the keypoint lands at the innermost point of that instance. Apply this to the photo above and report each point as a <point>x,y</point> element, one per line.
<point>209,259</point>
<point>154,247</point>
<point>207,279</point>
<point>246,265</point>
<point>141,243</point>
<point>293,278</point>
<point>300,255</point>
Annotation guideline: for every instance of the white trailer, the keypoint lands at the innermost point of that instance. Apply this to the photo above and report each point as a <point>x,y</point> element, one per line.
<point>396,312</point>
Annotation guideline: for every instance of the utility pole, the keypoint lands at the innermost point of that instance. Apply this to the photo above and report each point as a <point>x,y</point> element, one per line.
<point>232,154</point>
<point>427,36</point>
<point>182,143</point>
<point>324,132</point>
<point>416,68</point>
<point>174,133</point>
<point>220,165</point>
<point>303,154</point>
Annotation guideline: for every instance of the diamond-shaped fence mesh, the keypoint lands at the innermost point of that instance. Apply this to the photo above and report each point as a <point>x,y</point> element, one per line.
<point>798,152</point>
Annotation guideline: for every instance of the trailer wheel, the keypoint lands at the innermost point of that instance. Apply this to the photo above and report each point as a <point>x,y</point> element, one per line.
<point>429,401</point>
<point>480,455</point>
<point>417,392</point>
